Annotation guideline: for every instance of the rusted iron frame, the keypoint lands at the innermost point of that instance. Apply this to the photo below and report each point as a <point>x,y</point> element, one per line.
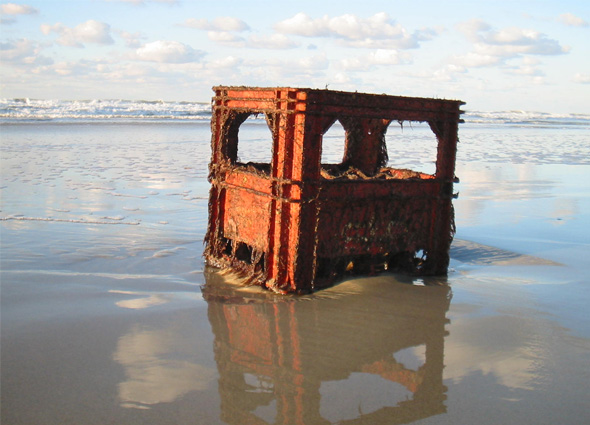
<point>294,184</point>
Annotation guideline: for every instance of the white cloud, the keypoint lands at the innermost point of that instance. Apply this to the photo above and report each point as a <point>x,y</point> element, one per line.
<point>529,60</point>
<point>371,43</point>
<point>301,24</point>
<point>129,72</point>
<point>354,64</point>
<point>315,62</point>
<point>476,60</point>
<point>385,57</point>
<point>12,9</point>
<point>70,68</point>
<point>492,47</point>
<point>223,23</point>
<point>87,32</point>
<point>13,50</point>
<point>517,40</point>
<point>526,70</point>
<point>168,52</point>
<point>341,78</point>
<point>23,52</point>
<point>17,9</point>
<point>292,70</point>
<point>572,20</point>
<point>229,62</point>
<point>377,31</point>
<point>65,69</point>
<point>377,57</point>
<point>582,78</point>
<point>131,40</point>
<point>226,37</point>
<point>274,41</point>
<point>512,35</point>
<point>221,29</point>
<point>448,73</point>
<point>472,28</point>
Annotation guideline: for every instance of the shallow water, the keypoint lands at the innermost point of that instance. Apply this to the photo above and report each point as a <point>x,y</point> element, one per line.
<point>109,315</point>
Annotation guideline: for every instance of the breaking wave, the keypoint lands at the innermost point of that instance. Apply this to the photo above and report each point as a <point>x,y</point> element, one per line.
<point>117,110</point>
<point>518,118</point>
<point>95,110</point>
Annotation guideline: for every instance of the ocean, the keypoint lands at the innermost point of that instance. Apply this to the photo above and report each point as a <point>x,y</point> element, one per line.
<point>26,110</point>
<point>109,314</point>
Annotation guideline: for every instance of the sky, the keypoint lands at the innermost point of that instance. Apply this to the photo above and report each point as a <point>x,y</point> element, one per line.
<point>494,55</point>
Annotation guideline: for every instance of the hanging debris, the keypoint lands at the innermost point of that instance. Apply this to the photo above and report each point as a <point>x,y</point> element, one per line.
<point>296,225</point>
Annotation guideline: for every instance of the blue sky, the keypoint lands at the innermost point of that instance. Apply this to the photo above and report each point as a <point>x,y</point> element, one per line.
<point>494,55</point>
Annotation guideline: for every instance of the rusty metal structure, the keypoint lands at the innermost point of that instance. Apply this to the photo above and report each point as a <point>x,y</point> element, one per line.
<point>296,225</point>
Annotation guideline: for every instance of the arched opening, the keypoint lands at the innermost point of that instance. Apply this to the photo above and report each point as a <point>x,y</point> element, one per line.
<point>411,146</point>
<point>333,148</point>
<point>255,143</point>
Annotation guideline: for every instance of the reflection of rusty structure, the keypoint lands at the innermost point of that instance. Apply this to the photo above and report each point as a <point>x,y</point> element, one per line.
<point>278,353</point>
<point>295,225</point>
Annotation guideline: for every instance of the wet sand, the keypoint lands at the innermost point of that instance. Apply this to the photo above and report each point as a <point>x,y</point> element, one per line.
<point>110,316</point>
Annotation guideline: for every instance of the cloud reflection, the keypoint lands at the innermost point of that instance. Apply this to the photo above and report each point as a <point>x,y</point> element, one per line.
<point>144,302</point>
<point>155,370</point>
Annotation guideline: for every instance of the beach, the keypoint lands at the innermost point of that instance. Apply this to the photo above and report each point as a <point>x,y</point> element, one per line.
<point>109,314</point>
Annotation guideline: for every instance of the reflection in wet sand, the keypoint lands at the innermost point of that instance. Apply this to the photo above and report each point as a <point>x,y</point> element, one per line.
<point>483,346</point>
<point>143,301</point>
<point>474,253</point>
<point>296,360</point>
<point>155,370</point>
